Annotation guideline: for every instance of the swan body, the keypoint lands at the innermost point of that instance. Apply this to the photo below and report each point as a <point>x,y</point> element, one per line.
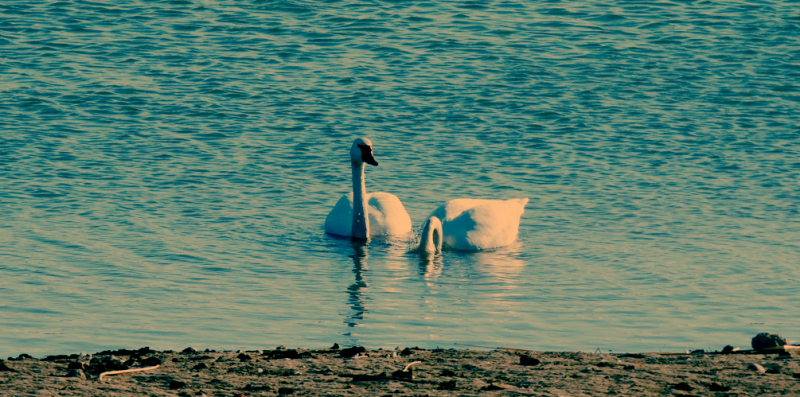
<point>360,214</point>
<point>473,224</point>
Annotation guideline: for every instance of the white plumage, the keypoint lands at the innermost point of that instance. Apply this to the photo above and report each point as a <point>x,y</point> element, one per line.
<point>360,214</point>
<point>474,224</point>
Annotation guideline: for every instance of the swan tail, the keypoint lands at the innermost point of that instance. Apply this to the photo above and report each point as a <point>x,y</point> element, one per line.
<point>431,239</point>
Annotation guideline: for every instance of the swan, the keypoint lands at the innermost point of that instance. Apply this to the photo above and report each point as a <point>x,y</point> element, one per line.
<point>376,214</point>
<point>472,225</point>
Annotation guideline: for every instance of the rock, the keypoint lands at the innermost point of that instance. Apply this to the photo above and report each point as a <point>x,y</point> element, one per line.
<point>729,349</point>
<point>76,365</point>
<point>352,351</point>
<point>151,361</point>
<point>335,346</point>
<point>448,373</point>
<point>285,390</point>
<point>5,368</point>
<point>796,375</point>
<point>766,340</point>
<point>756,367</point>
<point>448,385</point>
<point>189,350</point>
<point>683,386</point>
<point>718,387</point>
<point>528,360</point>
<point>76,373</point>
<point>200,366</point>
<point>244,357</point>
<point>400,374</point>
<point>406,352</point>
<point>176,384</point>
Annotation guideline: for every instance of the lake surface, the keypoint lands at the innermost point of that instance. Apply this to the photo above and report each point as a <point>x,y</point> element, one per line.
<point>166,168</point>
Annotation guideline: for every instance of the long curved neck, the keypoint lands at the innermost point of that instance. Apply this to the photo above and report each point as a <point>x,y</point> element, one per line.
<point>360,216</point>
<point>431,239</point>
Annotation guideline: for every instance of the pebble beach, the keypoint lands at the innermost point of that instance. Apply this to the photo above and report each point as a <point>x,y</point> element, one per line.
<point>358,371</point>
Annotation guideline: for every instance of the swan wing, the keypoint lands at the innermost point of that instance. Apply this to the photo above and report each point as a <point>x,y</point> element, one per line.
<point>340,219</point>
<point>387,216</point>
<point>489,224</point>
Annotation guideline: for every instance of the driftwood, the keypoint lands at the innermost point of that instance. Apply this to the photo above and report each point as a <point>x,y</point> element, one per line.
<point>125,371</point>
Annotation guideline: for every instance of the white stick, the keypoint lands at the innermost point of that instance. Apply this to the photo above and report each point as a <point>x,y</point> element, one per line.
<point>409,365</point>
<point>125,371</point>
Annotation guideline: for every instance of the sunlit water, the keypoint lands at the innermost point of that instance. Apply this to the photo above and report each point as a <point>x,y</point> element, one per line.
<point>167,168</point>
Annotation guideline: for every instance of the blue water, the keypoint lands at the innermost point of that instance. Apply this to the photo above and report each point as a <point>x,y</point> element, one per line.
<point>166,168</point>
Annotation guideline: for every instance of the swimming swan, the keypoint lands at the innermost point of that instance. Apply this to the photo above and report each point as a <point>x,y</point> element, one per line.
<point>375,214</point>
<point>472,224</point>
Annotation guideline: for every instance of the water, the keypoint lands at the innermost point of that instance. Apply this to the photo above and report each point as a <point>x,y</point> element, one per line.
<point>167,168</point>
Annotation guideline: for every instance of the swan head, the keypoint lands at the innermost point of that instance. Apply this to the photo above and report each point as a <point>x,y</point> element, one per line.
<point>361,152</point>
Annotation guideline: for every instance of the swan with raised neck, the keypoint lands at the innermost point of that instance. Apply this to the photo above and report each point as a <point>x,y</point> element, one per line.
<point>360,154</point>
<point>362,215</point>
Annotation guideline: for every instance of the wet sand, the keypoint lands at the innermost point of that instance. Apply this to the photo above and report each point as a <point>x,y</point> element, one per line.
<point>438,372</point>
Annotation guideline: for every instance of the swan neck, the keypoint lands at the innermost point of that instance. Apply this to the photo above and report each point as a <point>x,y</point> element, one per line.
<point>360,216</point>
<point>431,240</point>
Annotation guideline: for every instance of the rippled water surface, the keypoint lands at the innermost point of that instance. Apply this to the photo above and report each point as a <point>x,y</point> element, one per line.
<point>167,167</point>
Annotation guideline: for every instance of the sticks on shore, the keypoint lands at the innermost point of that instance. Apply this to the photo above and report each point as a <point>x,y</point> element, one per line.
<point>125,371</point>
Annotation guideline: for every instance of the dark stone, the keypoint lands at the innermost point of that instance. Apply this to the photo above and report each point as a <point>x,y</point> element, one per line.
<point>400,374</point>
<point>698,351</point>
<point>796,375</point>
<point>245,357</point>
<point>285,390</point>
<point>448,373</point>
<point>682,386</point>
<point>718,387</point>
<point>189,350</point>
<point>115,365</point>
<point>77,365</point>
<point>632,355</point>
<point>773,371</point>
<point>727,349</point>
<point>766,340</point>
<point>130,362</point>
<point>5,368</point>
<point>176,384</point>
<point>57,357</point>
<point>200,366</point>
<point>492,388</point>
<point>250,387</point>
<point>281,353</point>
<point>20,357</point>
<point>126,352</point>
<point>198,358</point>
<point>528,360</point>
<point>352,351</point>
<point>629,367</point>
<point>449,385</point>
<point>151,361</point>
<point>406,352</point>
<point>176,360</point>
<point>76,373</point>
<point>335,346</point>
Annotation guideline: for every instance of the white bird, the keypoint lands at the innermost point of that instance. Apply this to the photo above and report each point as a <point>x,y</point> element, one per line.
<point>472,225</point>
<point>376,214</point>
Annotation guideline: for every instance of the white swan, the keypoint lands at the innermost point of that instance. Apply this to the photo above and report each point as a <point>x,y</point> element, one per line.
<point>472,224</point>
<point>375,214</point>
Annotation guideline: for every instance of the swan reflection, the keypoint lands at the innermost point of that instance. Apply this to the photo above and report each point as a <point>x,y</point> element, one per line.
<point>355,299</point>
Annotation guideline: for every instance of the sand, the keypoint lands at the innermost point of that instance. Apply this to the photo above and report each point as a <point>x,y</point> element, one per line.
<point>438,372</point>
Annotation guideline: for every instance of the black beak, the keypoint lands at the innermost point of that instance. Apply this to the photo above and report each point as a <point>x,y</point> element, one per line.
<point>366,155</point>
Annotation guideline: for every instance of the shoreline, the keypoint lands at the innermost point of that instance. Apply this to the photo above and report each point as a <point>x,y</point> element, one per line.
<point>408,371</point>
